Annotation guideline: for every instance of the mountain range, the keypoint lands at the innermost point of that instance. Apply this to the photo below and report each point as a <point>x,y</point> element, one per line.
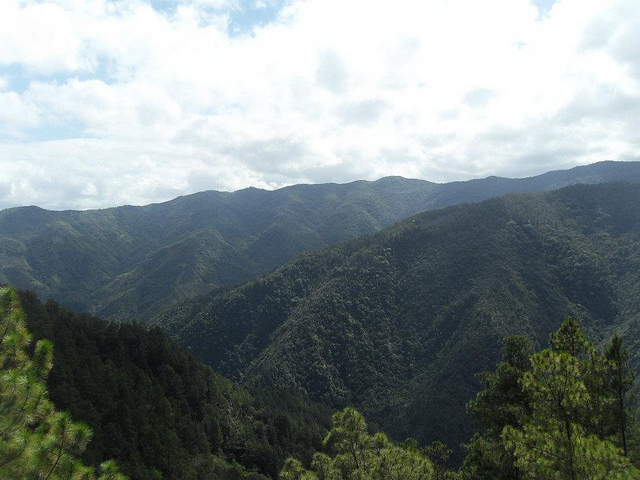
<point>132,262</point>
<point>399,323</point>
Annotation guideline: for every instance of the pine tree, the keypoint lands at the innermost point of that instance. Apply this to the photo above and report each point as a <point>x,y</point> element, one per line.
<point>36,441</point>
<point>354,454</point>
<point>561,440</point>
<point>619,381</point>
<point>502,402</point>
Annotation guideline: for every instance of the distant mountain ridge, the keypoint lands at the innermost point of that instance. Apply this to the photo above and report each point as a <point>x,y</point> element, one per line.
<point>398,323</point>
<point>130,262</point>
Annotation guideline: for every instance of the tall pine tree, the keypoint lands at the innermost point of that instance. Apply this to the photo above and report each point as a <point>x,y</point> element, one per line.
<point>502,402</point>
<point>563,437</point>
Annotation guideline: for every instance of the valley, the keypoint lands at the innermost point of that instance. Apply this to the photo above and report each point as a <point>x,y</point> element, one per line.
<point>371,306</point>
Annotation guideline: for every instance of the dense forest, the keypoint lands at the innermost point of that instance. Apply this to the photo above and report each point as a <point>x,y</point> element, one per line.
<point>129,262</point>
<point>36,440</point>
<point>158,410</point>
<point>560,413</point>
<point>441,347</point>
<point>563,412</point>
<point>398,324</point>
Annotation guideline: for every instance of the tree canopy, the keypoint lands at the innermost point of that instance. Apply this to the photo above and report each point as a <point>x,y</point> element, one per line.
<point>36,440</point>
<point>561,414</point>
<point>354,454</point>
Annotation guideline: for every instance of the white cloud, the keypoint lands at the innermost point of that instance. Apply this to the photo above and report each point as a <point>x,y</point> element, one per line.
<point>169,101</point>
<point>17,114</point>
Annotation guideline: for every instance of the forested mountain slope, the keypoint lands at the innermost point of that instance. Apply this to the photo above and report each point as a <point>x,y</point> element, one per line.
<point>129,262</point>
<point>159,411</point>
<point>399,323</point>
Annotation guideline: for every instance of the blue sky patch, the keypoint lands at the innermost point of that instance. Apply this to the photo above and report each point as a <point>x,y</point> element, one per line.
<point>243,18</point>
<point>544,6</point>
<point>17,78</point>
<point>56,131</point>
<point>247,18</point>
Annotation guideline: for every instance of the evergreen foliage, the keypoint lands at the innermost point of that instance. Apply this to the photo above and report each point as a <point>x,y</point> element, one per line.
<point>355,454</point>
<point>619,381</point>
<point>502,402</point>
<point>398,324</point>
<point>395,324</point>
<point>160,411</point>
<point>36,440</point>
<point>570,408</point>
<point>129,262</point>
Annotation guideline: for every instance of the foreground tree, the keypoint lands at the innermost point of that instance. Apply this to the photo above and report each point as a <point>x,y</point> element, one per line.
<point>354,454</point>
<point>555,442</point>
<point>558,414</point>
<point>502,402</point>
<point>568,433</point>
<point>36,441</point>
<point>619,381</point>
<point>439,453</point>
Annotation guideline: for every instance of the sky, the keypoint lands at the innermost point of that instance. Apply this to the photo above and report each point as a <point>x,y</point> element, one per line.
<point>105,103</point>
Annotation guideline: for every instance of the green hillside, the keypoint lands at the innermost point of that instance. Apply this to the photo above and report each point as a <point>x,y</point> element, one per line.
<point>164,415</point>
<point>159,411</point>
<point>129,262</point>
<point>399,323</point>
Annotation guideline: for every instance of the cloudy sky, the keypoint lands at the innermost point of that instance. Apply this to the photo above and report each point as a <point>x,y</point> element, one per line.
<point>107,102</point>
